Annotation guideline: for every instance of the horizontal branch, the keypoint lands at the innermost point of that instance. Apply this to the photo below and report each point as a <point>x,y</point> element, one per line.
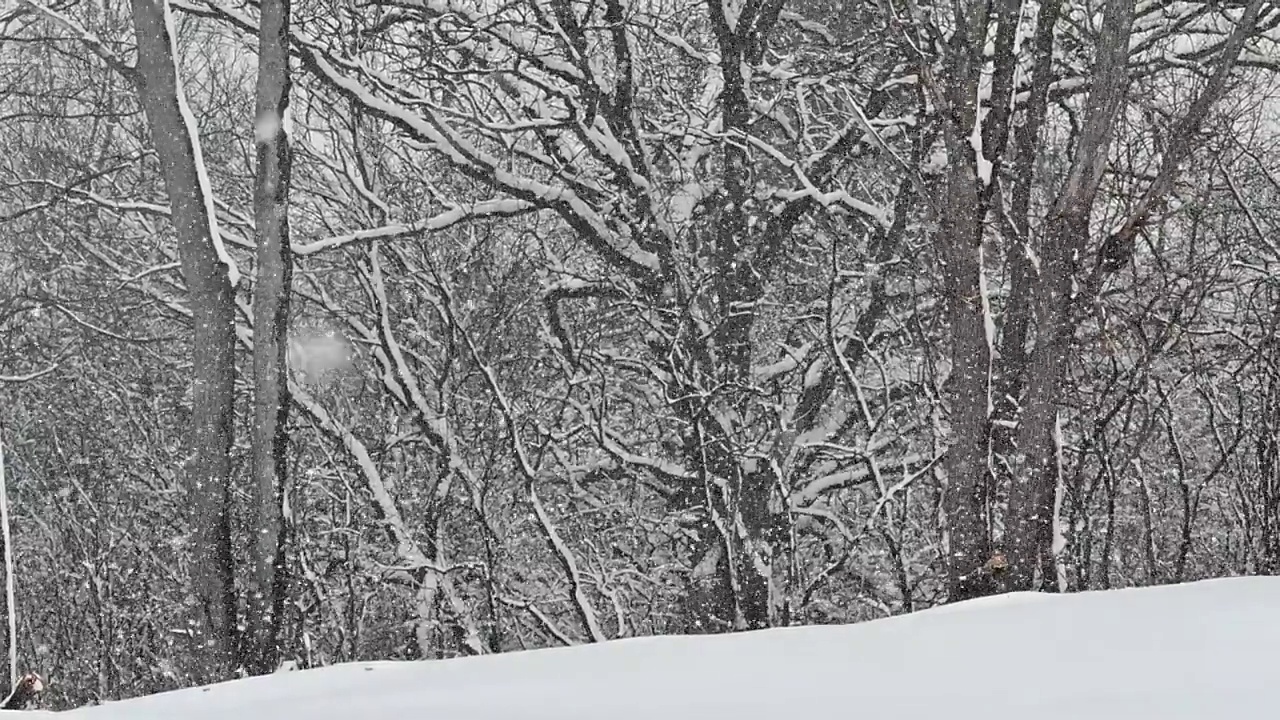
<point>497,207</point>
<point>14,379</point>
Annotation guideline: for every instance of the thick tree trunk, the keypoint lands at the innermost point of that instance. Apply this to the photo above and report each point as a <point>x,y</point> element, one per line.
<point>268,581</point>
<point>966,394</point>
<point>731,585</point>
<point>209,277</point>
<point>966,501</point>
<point>1031,496</point>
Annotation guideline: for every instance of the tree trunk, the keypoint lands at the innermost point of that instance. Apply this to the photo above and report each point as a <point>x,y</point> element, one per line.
<point>209,275</point>
<point>1031,496</point>
<point>268,580</point>
<point>1010,376</point>
<point>731,585</point>
<point>966,497</point>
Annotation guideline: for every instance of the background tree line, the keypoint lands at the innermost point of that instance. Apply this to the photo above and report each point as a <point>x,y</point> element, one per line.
<point>418,329</point>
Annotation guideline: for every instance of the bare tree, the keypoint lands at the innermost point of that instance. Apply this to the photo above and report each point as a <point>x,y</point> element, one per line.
<point>1031,504</point>
<point>659,316</point>
<point>1053,282</point>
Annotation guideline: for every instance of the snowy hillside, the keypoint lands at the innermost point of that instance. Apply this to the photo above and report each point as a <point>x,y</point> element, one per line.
<point>1205,651</point>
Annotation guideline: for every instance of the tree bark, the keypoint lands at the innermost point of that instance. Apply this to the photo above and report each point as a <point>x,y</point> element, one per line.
<point>267,583</point>
<point>209,275</point>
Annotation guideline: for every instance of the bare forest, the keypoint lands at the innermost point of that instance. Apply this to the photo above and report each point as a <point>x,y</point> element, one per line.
<point>337,330</point>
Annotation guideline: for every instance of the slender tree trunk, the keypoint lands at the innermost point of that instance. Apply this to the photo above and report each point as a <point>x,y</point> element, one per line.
<point>209,275</point>
<point>268,580</point>
<point>10,607</point>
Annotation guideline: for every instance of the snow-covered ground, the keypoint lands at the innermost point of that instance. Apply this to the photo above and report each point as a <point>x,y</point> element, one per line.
<point>1206,650</point>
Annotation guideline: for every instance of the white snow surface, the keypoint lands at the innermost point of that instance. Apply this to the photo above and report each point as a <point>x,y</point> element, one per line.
<point>1203,650</point>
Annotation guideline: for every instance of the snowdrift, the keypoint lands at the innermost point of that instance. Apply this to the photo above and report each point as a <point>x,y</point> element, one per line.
<point>1205,650</point>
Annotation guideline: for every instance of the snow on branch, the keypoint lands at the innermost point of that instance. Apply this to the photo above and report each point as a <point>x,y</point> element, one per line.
<point>89,39</point>
<point>440,134</point>
<point>840,198</point>
<point>402,381</point>
<point>497,207</point>
<point>14,379</point>
<point>124,207</point>
<point>510,34</point>
<point>545,622</point>
<point>582,604</point>
<point>407,549</point>
<point>189,126</point>
<point>847,478</point>
<point>881,216</point>
<point>448,141</point>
